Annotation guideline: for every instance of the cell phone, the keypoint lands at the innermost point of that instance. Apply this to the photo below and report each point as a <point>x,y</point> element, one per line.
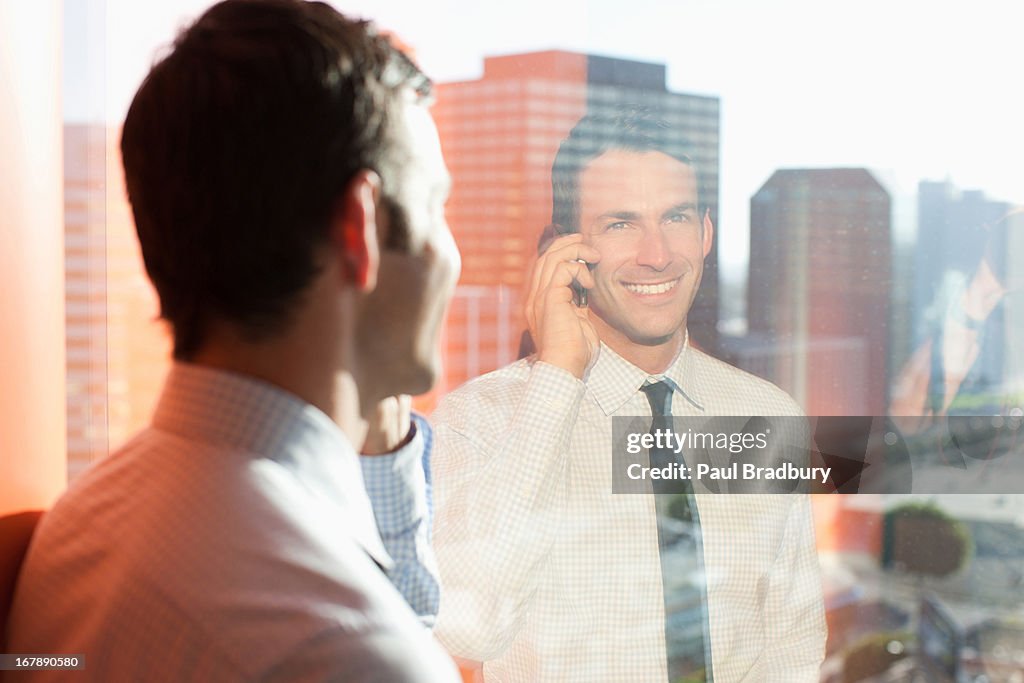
<point>579,292</point>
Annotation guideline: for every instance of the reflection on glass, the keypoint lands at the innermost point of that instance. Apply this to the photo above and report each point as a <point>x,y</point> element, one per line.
<point>835,305</point>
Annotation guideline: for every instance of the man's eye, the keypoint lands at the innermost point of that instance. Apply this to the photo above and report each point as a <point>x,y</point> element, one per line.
<point>679,218</point>
<point>620,225</point>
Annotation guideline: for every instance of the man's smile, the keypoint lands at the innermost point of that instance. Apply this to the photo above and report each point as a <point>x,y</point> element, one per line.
<point>652,288</point>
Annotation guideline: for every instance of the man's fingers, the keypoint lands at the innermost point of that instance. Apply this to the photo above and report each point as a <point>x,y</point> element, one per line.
<point>566,250</point>
<point>537,275</point>
<point>558,290</point>
<point>565,272</point>
<point>544,258</point>
<point>569,253</point>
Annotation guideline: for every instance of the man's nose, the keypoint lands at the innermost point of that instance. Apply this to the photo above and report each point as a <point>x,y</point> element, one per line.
<point>653,250</point>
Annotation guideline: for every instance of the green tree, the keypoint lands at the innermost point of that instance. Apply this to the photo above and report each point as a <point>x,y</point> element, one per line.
<point>923,539</point>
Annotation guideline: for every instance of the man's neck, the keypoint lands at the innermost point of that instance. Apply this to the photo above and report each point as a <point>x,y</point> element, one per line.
<point>653,359</point>
<point>291,367</point>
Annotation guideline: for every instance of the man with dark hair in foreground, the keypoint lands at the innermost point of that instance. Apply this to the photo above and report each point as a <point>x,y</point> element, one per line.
<point>288,190</point>
<point>550,576</point>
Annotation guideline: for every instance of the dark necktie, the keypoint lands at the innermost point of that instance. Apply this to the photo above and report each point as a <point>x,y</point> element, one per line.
<point>687,635</point>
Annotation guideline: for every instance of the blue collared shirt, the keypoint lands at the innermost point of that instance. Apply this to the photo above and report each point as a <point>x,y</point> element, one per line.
<point>399,488</point>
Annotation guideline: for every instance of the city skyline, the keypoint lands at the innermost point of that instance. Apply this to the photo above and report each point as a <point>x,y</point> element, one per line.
<point>501,310</point>
<point>912,91</point>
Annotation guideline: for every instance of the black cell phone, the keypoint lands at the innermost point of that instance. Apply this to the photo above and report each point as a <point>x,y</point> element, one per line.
<point>579,292</point>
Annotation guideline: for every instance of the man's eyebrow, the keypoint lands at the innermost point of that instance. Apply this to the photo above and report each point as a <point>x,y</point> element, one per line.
<point>679,208</point>
<point>624,215</point>
<point>621,215</point>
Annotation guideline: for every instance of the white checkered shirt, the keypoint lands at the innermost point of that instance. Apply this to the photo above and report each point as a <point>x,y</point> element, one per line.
<point>548,576</point>
<point>232,540</point>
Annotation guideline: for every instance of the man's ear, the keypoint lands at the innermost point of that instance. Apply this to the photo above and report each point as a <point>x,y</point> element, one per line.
<point>709,232</point>
<point>354,231</point>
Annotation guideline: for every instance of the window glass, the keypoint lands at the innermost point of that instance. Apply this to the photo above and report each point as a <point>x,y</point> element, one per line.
<point>859,164</point>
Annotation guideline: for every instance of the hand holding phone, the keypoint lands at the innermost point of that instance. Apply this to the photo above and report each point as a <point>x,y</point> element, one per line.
<point>547,236</point>
<point>556,308</point>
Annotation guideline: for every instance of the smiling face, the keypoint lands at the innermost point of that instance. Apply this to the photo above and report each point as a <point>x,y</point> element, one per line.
<point>639,209</point>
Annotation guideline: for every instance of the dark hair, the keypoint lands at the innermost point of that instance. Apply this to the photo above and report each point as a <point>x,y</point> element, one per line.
<point>237,146</point>
<point>633,128</point>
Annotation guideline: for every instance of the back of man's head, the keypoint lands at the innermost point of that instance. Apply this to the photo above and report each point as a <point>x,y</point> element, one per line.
<point>237,147</point>
<point>633,129</point>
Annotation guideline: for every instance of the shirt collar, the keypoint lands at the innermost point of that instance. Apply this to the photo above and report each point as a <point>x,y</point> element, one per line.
<point>252,417</point>
<point>614,380</point>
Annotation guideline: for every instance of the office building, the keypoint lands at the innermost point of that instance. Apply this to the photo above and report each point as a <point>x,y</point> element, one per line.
<point>819,288</point>
<point>117,352</point>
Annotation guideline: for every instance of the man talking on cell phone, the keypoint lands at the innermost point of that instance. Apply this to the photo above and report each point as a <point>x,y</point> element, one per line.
<point>549,576</point>
<point>288,190</point>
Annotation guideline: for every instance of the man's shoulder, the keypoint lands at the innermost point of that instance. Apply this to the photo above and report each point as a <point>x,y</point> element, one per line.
<point>211,530</point>
<point>107,490</point>
<point>726,389</point>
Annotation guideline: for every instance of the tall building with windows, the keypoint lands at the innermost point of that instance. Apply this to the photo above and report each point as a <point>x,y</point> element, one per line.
<point>117,351</point>
<point>85,292</point>
<point>500,134</point>
<point>819,289</point>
